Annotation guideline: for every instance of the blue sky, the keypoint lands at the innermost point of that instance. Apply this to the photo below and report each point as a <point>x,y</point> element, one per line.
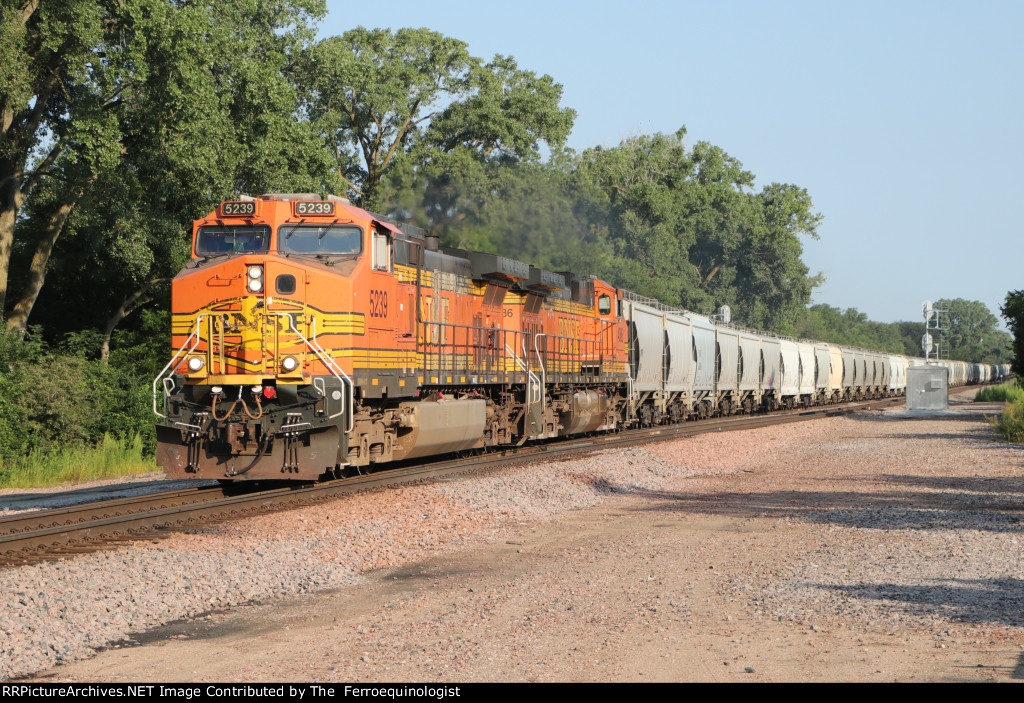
<point>903,120</point>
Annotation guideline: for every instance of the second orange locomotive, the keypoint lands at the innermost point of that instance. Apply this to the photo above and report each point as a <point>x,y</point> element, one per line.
<point>314,338</point>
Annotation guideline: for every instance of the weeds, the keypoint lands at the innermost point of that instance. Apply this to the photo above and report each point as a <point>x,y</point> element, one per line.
<point>1010,423</point>
<point>1008,392</point>
<point>111,457</point>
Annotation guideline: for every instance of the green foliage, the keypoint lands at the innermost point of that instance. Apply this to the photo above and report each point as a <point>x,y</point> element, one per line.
<point>507,112</point>
<point>1008,392</point>
<point>910,333</point>
<point>685,226</point>
<point>1010,423</point>
<point>1013,313</point>
<point>64,399</point>
<point>973,333</point>
<point>136,117</point>
<point>530,213</point>
<point>370,91</point>
<point>828,324</point>
<point>412,107</point>
<point>110,457</point>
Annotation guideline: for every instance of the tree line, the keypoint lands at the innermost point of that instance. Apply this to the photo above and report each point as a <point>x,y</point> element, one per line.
<point>970,331</point>
<point>121,121</point>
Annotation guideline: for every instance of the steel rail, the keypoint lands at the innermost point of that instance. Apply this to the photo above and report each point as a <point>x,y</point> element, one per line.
<point>86,511</point>
<point>43,534</point>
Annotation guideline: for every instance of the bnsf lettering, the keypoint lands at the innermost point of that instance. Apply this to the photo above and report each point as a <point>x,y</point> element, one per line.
<point>378,303</point>
<point>436,314</point>
<point>569,330</point>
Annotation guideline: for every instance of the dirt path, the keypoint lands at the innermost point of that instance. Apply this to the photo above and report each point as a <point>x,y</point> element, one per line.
<point>816,564</point>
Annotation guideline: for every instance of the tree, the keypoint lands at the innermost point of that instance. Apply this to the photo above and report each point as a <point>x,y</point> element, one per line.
<point>973,333</point>
<point>166,107</point>
<point>687,228</point>
<point>415,107</point>
<point>849,327</point>
<point>910,334</point>
<point>775,284</point>
<point>371,90</point>
<point>58,89</point>
<point>1013,313</point>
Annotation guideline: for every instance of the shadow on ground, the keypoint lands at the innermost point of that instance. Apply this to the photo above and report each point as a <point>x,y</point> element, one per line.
<point>955,503</point>
<point>956,600</point>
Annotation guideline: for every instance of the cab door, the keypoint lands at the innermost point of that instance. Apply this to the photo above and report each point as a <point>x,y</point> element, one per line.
<point>386,358</point>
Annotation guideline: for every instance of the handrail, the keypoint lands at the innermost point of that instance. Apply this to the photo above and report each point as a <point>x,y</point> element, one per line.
<point>542,362</point>
<point>534,382</point>
<point>330,364</point>
<point>178,355</point>
<point>215,338</point>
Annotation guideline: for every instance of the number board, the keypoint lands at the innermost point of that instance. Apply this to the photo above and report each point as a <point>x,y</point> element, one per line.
<point>304,208</point>
<point>234,208</point>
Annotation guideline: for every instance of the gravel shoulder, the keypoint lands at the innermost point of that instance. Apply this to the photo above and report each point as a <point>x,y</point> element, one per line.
<point>877,547</point>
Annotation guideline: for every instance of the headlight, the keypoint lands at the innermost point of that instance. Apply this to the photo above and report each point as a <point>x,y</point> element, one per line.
<point>255,278</point>
<point>195,363</point>
<point>289,363</point>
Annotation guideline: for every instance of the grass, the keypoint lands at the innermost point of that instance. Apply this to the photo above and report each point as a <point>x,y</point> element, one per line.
<point>1009,423</point>
<point>1008,392</point>
<point>111,457</point>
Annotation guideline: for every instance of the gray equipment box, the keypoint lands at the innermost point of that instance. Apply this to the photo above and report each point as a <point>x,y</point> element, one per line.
<point>927,388</point>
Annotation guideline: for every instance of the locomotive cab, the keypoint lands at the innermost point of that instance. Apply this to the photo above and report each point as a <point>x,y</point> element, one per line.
<point>251,391</point>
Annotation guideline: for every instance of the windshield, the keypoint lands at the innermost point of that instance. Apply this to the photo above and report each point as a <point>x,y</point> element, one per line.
<point>326,239</point>
<point>232,240</point>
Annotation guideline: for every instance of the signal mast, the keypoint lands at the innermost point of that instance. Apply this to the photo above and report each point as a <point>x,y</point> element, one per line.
<point>935,320</point>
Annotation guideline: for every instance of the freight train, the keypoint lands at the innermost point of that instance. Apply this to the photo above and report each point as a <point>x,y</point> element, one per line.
<point>313,339</point>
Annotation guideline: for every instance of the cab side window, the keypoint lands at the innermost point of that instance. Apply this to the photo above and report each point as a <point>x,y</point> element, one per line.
<point>381,252</point>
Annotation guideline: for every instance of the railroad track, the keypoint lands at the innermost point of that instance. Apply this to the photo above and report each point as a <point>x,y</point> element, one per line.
<point>49,534</point>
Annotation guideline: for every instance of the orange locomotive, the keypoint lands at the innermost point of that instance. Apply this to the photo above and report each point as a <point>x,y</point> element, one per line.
<point>314,338</point>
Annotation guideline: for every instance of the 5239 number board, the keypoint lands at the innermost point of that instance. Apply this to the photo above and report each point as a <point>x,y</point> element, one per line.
<point>315,207</point>
<point>234,208</point>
